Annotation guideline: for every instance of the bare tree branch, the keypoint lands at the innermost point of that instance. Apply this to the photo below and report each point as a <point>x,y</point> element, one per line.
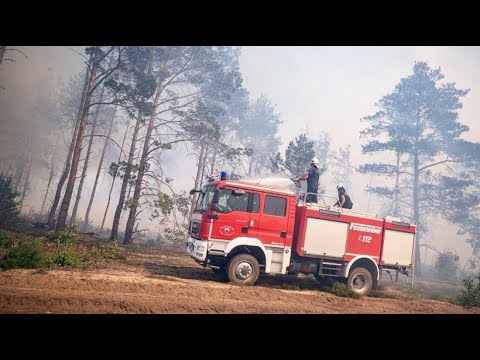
<point>108,137</point>
<point>438,163</point>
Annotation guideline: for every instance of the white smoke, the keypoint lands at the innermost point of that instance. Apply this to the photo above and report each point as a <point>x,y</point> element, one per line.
<point>278,181</point>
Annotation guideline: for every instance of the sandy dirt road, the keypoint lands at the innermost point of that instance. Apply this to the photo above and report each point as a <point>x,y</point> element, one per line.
<point>167,281</point>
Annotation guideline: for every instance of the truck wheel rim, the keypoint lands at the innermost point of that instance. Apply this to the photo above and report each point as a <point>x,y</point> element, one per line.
<point>359,282</point>
<point>244,270</point>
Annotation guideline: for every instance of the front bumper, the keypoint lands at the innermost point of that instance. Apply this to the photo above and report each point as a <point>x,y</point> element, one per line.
<point>197,249</point>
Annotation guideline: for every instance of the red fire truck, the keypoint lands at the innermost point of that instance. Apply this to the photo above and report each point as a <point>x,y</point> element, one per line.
<point>240,229</point>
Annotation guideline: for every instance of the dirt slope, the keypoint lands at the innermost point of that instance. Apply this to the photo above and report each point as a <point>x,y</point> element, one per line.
<point>167,281</point>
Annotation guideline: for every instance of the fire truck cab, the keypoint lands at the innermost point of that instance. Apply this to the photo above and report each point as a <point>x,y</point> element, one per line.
<point>240,229</point>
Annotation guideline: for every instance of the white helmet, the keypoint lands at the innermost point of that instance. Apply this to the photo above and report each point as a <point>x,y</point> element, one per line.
<point>315,161</point>
<point>339,185</point>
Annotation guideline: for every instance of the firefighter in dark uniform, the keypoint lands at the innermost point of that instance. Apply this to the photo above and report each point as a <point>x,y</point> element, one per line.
<point>312,176</point>
<point>344,200</point>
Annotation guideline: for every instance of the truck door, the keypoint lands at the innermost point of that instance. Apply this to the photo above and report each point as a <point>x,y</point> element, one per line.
<point>233,216</point>
<point>273,226</point>
<point>254,209</point>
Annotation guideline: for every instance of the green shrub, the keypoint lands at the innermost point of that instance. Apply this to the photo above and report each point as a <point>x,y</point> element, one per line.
<point>67,235</point>
<point>8,206</point>
<point>6,241</point>
<point>341,289</point>
<point>446,264</point>
<point>102,253</point>
<point>470,295</point>
<point>64,256</point>
<point>25,255</point>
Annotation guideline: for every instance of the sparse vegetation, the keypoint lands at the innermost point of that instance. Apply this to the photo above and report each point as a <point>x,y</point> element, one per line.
<point>446,265</point>
<point>6,241</point>
<point>67,235</point>
<point>8,206</point>
<point>24,255</point>
<point>470,295</point>
<point>65,255</point>
<point>102,253</point>
<point>19,250</point>
<point>150,243</point>
<point>341,289</point>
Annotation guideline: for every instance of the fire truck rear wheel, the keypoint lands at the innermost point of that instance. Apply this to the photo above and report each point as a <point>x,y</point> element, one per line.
<point>243,269</point>
<point>360,281</point>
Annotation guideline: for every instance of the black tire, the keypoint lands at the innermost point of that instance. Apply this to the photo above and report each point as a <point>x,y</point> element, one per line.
<point>360,281</point>
<point>243,269</point>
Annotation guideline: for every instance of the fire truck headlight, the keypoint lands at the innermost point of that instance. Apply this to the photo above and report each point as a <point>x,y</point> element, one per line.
<point>200,247</point>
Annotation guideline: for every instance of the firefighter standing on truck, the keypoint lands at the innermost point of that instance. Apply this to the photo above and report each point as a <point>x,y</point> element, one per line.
<point>312,175</point>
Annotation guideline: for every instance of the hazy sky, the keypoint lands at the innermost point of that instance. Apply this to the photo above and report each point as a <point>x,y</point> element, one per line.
<point>327,89</point>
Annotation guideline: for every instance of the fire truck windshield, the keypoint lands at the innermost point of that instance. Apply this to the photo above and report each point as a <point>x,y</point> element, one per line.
<point>228,201</point>
<point>205,198</point>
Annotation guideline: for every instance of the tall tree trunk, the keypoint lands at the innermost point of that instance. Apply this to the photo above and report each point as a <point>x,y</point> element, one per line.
<point>114,177</point>
<point>202,176</point>
<point>50,178</point>
<point>68,162</point>
<point>141,171</point>
<point>3,49</point>
<point>85,163</point>
<point>85,223</point>
<point>25,185</point>
<point>396,208</point>
<point>10,167</point>
<point>214,158</point>
<point>62,215</point>
<point>129,192</point>
<point>416,215</point>
<point>84,174</point>
<point>19,169</point>
<point>126,178</point>
<point>198,178</point>
<point>250,165</point>
<point>416,205</point>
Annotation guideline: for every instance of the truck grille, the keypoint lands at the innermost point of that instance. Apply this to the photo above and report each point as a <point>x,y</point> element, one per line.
<point>195,227</point>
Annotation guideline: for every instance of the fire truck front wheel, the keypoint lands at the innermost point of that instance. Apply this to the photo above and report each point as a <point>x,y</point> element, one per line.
<point>360,281</point>
<point>243,269</point>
